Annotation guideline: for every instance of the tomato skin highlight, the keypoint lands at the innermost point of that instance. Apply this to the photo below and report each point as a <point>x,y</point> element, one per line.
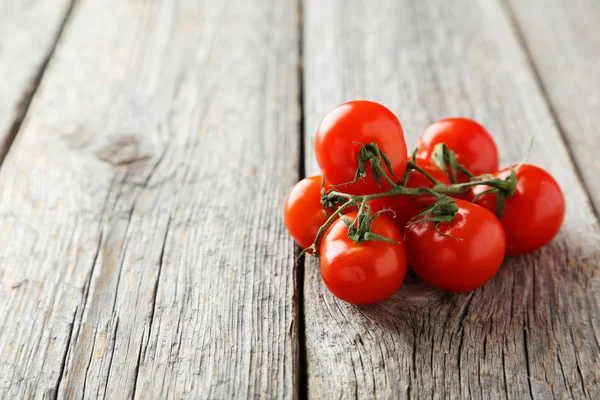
<point>336,149</point>
<point>302,210</point>
<point>364,273</point>
<point>457,265</point>
<point>473,145</point>
<point>404,206</point>
<point>533,216</point>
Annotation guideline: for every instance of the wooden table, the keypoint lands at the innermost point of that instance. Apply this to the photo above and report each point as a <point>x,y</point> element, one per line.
<point>153,142</point>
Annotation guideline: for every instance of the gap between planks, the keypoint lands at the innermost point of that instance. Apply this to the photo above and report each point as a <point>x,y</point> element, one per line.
<point>577,167</point>
<point>26,99</point>
<point>302,379</point>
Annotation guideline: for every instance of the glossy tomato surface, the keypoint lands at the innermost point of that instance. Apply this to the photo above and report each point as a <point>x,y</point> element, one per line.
<point>337,148</point>
<point>367,272</point>
<point>471,142</point>
<point>405,207</point>
<point>533,216</point>
<point>302,211</point>
<point>457,265</point>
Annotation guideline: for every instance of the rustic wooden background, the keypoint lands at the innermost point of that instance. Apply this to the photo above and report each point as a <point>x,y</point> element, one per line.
<point>147,147</point>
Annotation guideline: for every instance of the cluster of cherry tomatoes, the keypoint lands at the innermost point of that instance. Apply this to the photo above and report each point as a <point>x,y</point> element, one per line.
<point>376,210</point>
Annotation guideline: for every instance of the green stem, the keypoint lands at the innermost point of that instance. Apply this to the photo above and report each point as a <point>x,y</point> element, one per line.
<point>385,175</point>
<point>465,171</point>
<point>433,193</point>
<point>323,228</point>
<point>437,190</point>
<point>413,165</point>
<point>362,206</point>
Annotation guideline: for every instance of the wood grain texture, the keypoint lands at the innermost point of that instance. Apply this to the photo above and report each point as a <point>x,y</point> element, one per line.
<point>564,43</point>
<point>28,32</point>
<point>534,330</point>
<point>144,252</point>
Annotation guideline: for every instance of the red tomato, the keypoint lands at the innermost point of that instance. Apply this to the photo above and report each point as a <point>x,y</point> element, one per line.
<point>474,147</point>
<point>533,215</point>
<point>302,210</point>
<point>336,147</point>
<point>367,272</point>
<point>457,265</point>
<point>406,207</point>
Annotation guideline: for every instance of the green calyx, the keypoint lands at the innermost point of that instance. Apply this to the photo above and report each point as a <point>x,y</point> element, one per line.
<point>359,230</point>
<point>446,160</point>
<point>443,210</point>
<point>328,202</point>
<point>502,188</point>
<point>371,153</point>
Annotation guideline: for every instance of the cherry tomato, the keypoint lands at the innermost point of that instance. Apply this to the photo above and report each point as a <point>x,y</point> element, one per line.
<point>471,142</point>
<point>367,272</point>
<point>302,211</point>
<point>404,206</point>
<point>457,265</point>
<point>533,215</point>
<point>337,148</point>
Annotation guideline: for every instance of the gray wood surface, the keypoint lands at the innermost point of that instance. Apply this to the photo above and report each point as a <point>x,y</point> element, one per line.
<point>28,32</point>
<point>143,247</point>
<point>563,40</point>
<point>534,330</point>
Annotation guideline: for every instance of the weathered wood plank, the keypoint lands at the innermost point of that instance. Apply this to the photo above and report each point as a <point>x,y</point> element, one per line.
<point>563,38</point>
<point>28,33</point>
<point>144,248</point>
<point>534,329</point>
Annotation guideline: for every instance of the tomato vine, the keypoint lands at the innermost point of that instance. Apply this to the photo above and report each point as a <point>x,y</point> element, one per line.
<point>443,209</point>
